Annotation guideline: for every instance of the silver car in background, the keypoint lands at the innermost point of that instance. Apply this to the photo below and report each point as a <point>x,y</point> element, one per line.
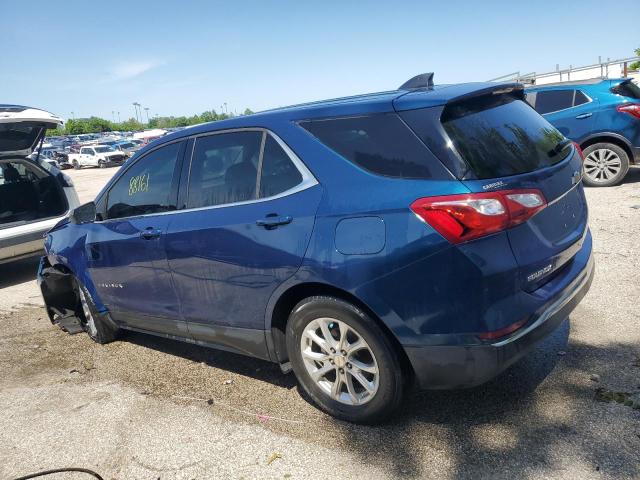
<point>34,194</point>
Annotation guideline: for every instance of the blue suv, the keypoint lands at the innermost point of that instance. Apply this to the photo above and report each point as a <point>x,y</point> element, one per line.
<point>428,236</point>
<point>602,116</point>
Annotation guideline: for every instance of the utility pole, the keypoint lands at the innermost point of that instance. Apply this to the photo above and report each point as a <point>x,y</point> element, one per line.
<point>73,114</point>
<point>118,117</point>
<point>113,116</point>
<point>146,109</point>
<point>135,107</point>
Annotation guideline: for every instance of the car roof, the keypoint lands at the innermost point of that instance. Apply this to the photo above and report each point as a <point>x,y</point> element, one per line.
<point>576,83</point>
<point>378,102</point>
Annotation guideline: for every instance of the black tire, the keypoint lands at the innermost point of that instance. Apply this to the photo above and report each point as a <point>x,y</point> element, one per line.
<point>390,386</point>
<point>592,177</point>
<point>102,164</point>
<point>92,321</point>
<point>76,165</point>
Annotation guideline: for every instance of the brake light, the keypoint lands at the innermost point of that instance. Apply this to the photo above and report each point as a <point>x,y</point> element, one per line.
<point>632,109</point>
<point>460,218</point>
<point>579,150</point>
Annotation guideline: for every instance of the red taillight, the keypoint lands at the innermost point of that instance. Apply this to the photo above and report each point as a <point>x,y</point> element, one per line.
<point>632,109</point>
<point>579,150</point>
<point>460,218</point>
<point>503,332</point>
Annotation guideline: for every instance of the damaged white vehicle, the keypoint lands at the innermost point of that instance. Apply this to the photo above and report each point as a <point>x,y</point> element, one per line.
<point>34,194</point>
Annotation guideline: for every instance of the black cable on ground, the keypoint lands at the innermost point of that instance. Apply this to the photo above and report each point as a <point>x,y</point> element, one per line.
<point>60,470</point>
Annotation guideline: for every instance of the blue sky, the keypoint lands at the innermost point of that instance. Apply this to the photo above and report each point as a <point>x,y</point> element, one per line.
<point>180,58</point>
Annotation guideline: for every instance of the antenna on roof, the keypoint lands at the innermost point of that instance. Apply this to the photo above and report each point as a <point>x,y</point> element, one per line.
<point>424,80</point>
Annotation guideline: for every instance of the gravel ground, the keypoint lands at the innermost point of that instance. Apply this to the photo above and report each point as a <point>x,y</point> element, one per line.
<point>150,408</point>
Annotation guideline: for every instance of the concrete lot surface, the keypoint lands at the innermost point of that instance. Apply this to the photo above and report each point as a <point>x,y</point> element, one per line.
<point>148,408</point>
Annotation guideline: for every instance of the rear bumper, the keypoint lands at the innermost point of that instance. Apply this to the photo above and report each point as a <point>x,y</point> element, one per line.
<point>463,366</point>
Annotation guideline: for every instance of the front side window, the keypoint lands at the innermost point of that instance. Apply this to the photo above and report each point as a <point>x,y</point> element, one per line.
<point>553,100</point>
<point>224,169</point>
<point>145,188</point>
<point>86,151</point>
<point>278,174</point>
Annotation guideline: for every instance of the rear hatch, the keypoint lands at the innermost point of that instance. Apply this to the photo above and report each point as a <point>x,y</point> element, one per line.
<point>22,128</point>
<point>493,141</point>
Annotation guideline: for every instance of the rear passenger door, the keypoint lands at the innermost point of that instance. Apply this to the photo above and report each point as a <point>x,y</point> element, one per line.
<point>250,210</point>
<point>570,110</point>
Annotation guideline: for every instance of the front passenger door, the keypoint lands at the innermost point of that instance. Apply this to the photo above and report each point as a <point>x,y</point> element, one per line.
<point>126,250</point>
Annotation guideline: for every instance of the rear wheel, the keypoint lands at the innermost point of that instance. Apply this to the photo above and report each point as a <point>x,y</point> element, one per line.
<point>343,360</point>
<point>96,328</point>
<point>605,165</point>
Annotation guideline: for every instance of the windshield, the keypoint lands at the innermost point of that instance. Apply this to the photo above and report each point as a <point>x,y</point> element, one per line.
<point>103,149</point>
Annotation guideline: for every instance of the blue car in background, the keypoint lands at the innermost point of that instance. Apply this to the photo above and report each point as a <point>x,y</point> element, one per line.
<point>429,235</point>
<point>602,116</point>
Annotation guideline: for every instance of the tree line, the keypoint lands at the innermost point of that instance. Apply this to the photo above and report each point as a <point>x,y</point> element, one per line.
<point>78,126</point>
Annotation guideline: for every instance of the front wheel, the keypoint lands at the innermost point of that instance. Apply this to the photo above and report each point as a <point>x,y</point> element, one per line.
<point>102,164</point>
<point>343,360</point>
<point>76,165</point>
<point>93,324</point>
<point>605,165</point>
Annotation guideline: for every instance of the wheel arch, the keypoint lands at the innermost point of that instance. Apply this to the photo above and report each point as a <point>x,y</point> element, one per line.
<point>609,137</point>
<point>279,316</point>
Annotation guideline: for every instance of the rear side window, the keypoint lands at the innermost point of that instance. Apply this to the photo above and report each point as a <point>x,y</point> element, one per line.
<point>493,136</point>
<point>279,174</point>
<point>627,89</point>
<point>553,100</point>
<point>145,188</point>
<point>580,98</point>
<point>224,169</point>
<point>380,143</point>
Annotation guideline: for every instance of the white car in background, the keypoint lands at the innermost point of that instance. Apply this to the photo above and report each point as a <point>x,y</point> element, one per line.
<point>34,194</point>
<point>100,156</point>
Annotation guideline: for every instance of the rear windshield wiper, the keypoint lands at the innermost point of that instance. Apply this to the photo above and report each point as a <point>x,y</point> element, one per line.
<point>561,145</point>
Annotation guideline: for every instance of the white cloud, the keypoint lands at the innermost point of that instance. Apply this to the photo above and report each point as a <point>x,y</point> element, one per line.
<point>131,69</point>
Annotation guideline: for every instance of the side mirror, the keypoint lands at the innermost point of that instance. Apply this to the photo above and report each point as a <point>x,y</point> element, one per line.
<point>83,214</point>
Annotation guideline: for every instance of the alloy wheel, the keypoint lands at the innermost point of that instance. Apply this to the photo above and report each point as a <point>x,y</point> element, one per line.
<point>339,361</point>
<point>602,165</point>
<point>89,322</point>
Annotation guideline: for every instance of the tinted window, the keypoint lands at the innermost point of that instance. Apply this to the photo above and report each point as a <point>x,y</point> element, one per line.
<point>379,143</point>
<point>580,98</point>
<point>627,89</point>
<point>553,100</point>
<point>86,151</point>
<point>224,169</point>
<point>145,187</point>
<point>279,174</point>
<point>502,136</point>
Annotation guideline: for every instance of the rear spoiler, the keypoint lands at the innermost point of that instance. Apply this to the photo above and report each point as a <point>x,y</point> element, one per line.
<point>452,94</point>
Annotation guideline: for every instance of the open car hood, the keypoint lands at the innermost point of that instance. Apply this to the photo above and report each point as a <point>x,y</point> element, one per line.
<point>21,128</point>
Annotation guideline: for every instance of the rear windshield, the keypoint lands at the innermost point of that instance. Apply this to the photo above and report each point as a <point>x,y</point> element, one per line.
<point>495,136</point>
<point>15,136</point>
<point>380,143</point>
<point>627,89</point>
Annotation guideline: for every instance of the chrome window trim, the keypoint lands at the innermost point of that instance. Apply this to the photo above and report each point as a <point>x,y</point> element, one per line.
<point>308,179</point>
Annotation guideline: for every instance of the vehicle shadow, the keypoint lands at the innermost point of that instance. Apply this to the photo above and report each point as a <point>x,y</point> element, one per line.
<point>633,176</point>
<point>239,364</point>
<point>19,271</point>
<point>513,424</point>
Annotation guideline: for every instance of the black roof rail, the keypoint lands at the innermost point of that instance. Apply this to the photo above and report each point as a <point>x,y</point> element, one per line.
<point>424,80</point>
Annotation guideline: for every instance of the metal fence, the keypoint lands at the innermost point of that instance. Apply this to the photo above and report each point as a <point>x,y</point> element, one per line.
<point>608,69</point>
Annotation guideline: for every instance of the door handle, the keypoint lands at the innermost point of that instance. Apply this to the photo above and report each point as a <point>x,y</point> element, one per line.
<point>271,222</point>
<point>150,233</point>
<point>584,115</point>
